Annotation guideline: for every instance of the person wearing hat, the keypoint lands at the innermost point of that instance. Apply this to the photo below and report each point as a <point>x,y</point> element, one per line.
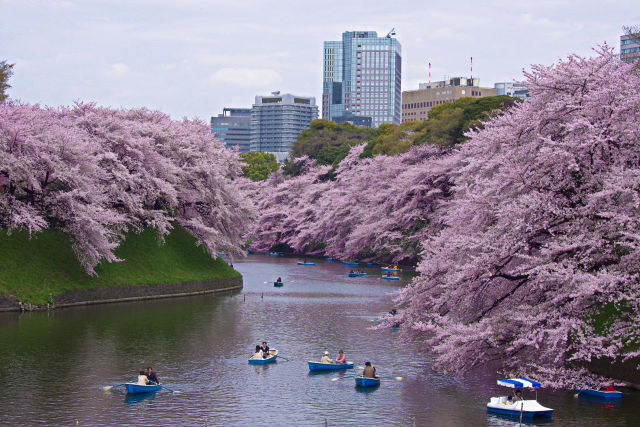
<point>326,358</point>
<point>369,371</point>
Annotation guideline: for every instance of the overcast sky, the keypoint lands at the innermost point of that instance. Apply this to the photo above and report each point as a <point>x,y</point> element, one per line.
<point>192,58</point>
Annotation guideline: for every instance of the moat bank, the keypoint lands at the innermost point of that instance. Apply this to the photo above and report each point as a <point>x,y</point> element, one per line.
<point>43,271</point>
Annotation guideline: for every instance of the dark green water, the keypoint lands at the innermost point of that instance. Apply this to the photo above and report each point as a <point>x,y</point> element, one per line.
<point>53,365</point>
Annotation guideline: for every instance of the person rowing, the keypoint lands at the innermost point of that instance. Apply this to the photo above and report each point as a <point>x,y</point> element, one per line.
<point>369,371</point>
<point>265,350</point>
<point>152,375</point>
<point>279,280</point>
<point>326,358</point>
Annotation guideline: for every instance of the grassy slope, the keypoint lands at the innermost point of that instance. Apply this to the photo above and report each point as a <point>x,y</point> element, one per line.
<point>34,269</point>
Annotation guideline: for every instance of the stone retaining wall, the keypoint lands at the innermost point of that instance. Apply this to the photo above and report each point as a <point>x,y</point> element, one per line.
<point>127,293</point>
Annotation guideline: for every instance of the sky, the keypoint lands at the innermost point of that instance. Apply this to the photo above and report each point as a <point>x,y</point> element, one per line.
<point>192,58</point>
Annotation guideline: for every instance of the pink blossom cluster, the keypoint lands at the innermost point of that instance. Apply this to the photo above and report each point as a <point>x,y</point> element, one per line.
<point>96,173</point>
<point>526,234</point>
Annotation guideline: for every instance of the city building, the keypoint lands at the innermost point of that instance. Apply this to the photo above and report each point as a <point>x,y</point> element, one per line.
<point>233,127</point>
<point>416,103</point>
<point>515,90</point>
<point>362,78</point>
<point>277,120</point>
<point>629,48</point>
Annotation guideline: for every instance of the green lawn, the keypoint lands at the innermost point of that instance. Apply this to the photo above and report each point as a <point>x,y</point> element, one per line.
<point>35,269</point>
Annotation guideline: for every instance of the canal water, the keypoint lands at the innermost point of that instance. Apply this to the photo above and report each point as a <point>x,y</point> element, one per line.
<point>53,365</point>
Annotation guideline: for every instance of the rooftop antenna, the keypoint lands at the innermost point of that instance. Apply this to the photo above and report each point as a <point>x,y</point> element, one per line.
<point>472,71</point>
<point>391,33</point>
<point>429,73</point>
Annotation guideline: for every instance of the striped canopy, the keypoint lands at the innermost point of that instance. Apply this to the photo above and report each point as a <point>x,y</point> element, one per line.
<point>519,383</point>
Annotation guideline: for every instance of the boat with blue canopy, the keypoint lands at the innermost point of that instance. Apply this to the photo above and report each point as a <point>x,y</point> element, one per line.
<point>134,388</point>
<point>603,395</point>
<point>273,354</point>
<point>362,381</point>
<point>513,406</point>
<point>319,366</point>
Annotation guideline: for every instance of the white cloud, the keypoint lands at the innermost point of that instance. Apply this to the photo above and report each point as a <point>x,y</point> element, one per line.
<point>117,70</point>
<point>246,77</point>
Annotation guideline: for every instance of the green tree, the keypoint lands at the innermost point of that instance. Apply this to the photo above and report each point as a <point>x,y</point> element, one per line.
<point>6,71</point>
<point>259,165</point>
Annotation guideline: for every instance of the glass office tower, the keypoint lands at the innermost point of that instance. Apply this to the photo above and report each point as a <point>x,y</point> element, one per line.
<point>362,78</point>
<point>233,127</point>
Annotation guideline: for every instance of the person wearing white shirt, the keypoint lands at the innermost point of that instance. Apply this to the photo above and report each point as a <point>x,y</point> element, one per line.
<point>326,358</point>
<point>142,379</point>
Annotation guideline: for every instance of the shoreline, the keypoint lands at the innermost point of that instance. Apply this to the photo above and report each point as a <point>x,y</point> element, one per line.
<point>116,294</point>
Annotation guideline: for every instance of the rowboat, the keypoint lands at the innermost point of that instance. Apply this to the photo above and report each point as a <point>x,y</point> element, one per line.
<point>273,354</point>
<point>525,408</point>
<point>390,277</point>
<point>329,259</point>
<point>357,274</point>
<point>319,366</point>
<point>134,388</point>
<point>278,284</point>
<point>600,394</point>
<point>306,263</point>
<point>275,253</point>
<point>389,269</point>
<point>222,254</point>
<point>372,264</point>
<point>362,381</point>
<point>350,263</point>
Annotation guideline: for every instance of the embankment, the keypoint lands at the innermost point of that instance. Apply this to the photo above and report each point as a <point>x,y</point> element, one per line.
<point>43,272</point>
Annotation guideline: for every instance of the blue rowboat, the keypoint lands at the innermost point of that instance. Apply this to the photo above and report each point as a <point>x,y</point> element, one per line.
<point>330,259</point>
<point>350,263</point>
<point>357,274</point>
<point>275,253</point>
<point>134,388</point>
<point>390,277</point>
<point>272,358</point>
<point>319,366</point>
<point>389,269</point>
<point>600,394</point>
<point>362,381</point>
<point>278,284</point>
<point>306,263</point>
<point>372,264</point>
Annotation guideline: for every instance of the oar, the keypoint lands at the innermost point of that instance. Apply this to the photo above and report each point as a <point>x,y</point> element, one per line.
<point>109,387</point>
<point>342,378</point>
<point>392,378</point>
<point>280,357</point>
<point>167,388</point>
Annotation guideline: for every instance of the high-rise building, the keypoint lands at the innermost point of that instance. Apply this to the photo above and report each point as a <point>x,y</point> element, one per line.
<point>277,120</point>
<point>630,48</point>
<point>416,103</point>
<point>362,78</point>
<point>233,127</point>
<point>513,89</point>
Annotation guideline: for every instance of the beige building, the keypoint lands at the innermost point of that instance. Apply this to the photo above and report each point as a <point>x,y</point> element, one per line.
<point>416,103</point>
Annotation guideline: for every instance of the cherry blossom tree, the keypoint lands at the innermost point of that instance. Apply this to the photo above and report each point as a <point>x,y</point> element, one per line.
<point>96,173</point>
<point>542,234</point>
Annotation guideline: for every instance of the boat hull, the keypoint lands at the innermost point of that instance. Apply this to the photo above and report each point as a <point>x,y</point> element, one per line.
<point>272,358</point>
<point>137,388</point>
<point>278,284</point>
<point>367,382</point>
<point>389,269</point>
<point>275,254</point>
<point>390,278</point>
<point>528,408</point>
<point>306,263</point>
<point>318,366</point>
<point>603,395</point>
<point>357,274</point>
<point>350,263</point>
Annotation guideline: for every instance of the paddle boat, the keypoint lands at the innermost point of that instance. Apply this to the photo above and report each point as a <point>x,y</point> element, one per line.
<point>275,253</point>
<point>389,269</point>
<point>390,277</point>
<point>306,263</point>
<point>600,394</point>
<point>362,381</point>
<point>350,263</point>
<point>273,354</point>
<point>525,408</point>
<point>134,388</point>
<point>278,284</point>
<point>357,274</point>
<point>319,366</point>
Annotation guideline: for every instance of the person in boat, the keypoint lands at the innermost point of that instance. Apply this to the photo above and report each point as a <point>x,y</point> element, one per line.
<point>279,280</point>
<point>518,396</point>
<point>152,375</point>
<point>326,358</point>
<point>393,312</point>
<point>258,354</point>
<point>265,349</point>
<point>369,370</point>
<point>142,379</point>
<point>351,272</point>
<point>608,388</point>
<point>341,357</point>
